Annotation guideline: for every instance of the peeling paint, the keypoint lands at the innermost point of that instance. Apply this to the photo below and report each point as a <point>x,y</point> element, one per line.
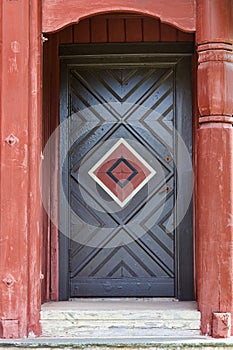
<point>15,46</point>
<point>25,160</point>
<point>13,66</point>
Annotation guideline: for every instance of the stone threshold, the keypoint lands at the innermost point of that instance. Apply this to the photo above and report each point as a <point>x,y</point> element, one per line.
<point>89,304</point>
<point>128,317</point>
<point>132,343</point>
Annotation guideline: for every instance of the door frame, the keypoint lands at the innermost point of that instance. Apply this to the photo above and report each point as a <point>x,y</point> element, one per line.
<point>178,55</point>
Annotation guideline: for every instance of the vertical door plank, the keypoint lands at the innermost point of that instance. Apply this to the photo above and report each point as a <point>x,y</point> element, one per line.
<point>168,33</point>
<point>45,244</point>
<point>66,35</point>
<point>82,32</point>
<point>151,29</point>
<point>54,181</point>
<point>133,30</point>
<point>98,30</point>
<point>182,36</point>
<point>116,30</point>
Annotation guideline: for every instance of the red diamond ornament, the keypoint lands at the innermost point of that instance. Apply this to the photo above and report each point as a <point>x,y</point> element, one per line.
<point>122,172</point>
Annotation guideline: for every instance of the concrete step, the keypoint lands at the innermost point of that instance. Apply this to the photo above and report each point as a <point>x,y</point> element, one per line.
<point>120,317</point>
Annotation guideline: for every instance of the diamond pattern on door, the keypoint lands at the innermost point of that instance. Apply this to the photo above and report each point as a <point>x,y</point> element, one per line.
<point>122,172</point>
<point>120,223</point>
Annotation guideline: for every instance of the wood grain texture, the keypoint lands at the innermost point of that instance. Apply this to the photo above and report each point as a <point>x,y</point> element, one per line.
<point>182,36</point>
<point>45,238</point>
<point>214,221</point>
<point>82,32</point>
<point>98,30</point>
<point>116,30</point>
<point>151,29</point>
<point>168,33</point>
<point>58,14</point>
<point>121,28</point>
<point>133,29</point>
<point>34,159</point>
<point>54,180</point>
<point>50,177</point>
<point>20,196</point>
<point>218,27</point>
<point>66,35</point>
<point>214,156</point>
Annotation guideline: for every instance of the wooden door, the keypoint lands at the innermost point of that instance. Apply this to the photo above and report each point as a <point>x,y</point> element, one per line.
<point>119,177</point>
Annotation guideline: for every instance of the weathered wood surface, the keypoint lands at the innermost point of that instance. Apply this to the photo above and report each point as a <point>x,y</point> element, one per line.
<point>214,161</point>
<point>20,158</point>
<point>58,14</point>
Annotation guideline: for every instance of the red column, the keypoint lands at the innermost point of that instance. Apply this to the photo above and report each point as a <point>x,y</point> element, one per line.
<point>19,168</point>
<point>215,163</point>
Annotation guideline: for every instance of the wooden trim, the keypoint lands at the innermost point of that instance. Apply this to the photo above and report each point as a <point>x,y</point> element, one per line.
<point>110,49</point>
<point>34,159</point>
<point>195,141</point>
<point>20,160</point>
<point>59,14</point>
<point>184,240</point>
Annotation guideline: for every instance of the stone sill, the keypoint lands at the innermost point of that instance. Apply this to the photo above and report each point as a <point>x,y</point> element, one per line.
<point>119,343</point>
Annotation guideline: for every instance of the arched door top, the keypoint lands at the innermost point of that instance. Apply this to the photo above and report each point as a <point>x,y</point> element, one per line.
<point>59,14</point>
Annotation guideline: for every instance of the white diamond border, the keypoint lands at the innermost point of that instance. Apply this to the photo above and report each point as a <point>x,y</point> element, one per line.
<point>138,188</point>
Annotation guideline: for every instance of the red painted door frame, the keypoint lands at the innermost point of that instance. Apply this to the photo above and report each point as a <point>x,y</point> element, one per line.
<point>215,165</point>
<point>57,15</point>
<point>20,94</point>
<point>21,147</point>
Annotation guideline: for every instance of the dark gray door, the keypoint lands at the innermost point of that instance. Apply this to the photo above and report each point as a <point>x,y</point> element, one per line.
<point>119,177</point>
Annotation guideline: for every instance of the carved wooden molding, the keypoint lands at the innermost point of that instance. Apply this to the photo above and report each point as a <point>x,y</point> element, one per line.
<point>215,52</point>
<point>216,119</point>
<point>215,46</point>
<point>57,14</point>
<point>215,82</point>
<point>218,55</point>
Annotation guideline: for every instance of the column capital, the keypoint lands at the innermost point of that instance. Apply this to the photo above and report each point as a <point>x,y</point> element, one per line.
<point>215,52</point>
<point>215,81</point>
<point>214,39</point>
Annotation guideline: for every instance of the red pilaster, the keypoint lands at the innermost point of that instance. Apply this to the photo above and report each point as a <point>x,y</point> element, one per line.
<point>20,156</point>
<point>215,160</point>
